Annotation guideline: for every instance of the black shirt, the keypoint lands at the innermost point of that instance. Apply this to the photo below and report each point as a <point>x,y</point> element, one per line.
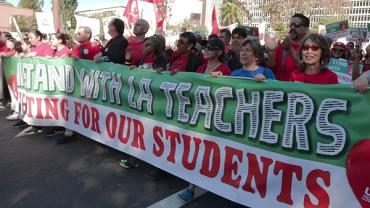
<point>233,60</point>
<point>116,49</point>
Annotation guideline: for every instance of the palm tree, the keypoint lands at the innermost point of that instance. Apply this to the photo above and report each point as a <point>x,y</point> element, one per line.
<point>231,13</point>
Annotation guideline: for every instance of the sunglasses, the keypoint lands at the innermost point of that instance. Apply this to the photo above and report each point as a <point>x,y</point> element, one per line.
<point>295,24</point>
<point>181,42</point>
<point>313,48</point>
<point>338,49</point>
<point>210,48</point>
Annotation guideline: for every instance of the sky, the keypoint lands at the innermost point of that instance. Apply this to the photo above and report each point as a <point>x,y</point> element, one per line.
<point>180,9</point>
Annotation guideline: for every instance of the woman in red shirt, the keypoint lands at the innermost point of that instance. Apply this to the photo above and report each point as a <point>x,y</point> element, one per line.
<point>38,48</point>
<point>215,56</point>
<point>59,43</point>
<point>314,55</point>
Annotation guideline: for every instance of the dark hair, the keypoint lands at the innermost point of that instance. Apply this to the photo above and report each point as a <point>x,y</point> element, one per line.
<point>8,35</point>
<point>241,31</point>
<point>226,31</point>
<point>18,47</point>
<point>37,33</point>
<point>257,50</point>
<point>320,41</point>
<point>219,44</point>
<point>305,20</point>
<point>190,37</point>
<point>158,43</point>
<point>69,41</point>
<point>212,36</point>
<point>119,25</point>
<point>61,36</point>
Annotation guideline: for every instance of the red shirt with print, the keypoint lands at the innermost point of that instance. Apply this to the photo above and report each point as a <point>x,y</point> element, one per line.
<point>65,51</point>
<point>223,68</point>
<point>290,66</point>
<point>3,48</point>
<point>323,77</point>
<point>137,51</point>
<point>86,51</point>
<point>42,49</point>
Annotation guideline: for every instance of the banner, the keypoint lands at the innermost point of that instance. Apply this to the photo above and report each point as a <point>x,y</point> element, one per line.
<point>93,23</point>
<point>337,30</point>
<point>270,144</point>
<point>343,70</point>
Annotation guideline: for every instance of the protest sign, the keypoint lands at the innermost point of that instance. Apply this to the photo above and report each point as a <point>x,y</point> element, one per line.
<point>343,70</point>
<point>337,30</point>
<point>270,144</point>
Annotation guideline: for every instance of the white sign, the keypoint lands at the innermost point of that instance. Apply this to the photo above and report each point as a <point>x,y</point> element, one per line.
<point>93,23</point>
<point>45,22</point>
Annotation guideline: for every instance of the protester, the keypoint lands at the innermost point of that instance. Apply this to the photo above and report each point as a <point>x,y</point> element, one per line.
<point>115,49</point>
<point>232,56</point>
<point>215,55</point>
<point>100,40</point>
<point>153,55</point>
<point>85,50</point>
<point>366,60</point>
<point>253,61</point>
<point>136,47</point>
<point>285,54</point>
<point>338,51</point>
<point>314,56</point>
<point>225,36</point>
<point>59,44</point>
<point>184,59</point>
<point>38,48</point>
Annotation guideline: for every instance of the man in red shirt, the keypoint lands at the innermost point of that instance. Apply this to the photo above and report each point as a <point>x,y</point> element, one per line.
<point>85,50</point>
<point>135,48</point>
<point>285,60</point>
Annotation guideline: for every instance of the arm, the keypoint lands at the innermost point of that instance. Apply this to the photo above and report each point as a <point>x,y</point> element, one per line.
<point>361,84</point>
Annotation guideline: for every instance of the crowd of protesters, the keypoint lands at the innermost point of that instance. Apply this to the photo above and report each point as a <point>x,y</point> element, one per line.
<point>300,57</point>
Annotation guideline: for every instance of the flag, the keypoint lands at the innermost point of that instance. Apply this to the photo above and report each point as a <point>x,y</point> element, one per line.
<point>215,29</point>
<point>132,11</point>
<point>160,13</point>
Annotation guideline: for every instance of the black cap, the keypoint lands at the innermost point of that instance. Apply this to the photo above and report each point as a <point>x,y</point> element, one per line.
<point>216,43</point>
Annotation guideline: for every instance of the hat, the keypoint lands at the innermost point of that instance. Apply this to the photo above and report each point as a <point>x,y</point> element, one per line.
<point>339,45</point>
<point>217,43</point>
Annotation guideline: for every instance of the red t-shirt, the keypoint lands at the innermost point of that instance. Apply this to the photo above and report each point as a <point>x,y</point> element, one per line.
<point>86,51</point>
<point>137,51</point>
<point>290,66</point>
<point>64,51</point>
<point>223,68</point>
<point>3,48</point>
<point>323,77</point>
<point>42,49</point>
<point>179,63</point>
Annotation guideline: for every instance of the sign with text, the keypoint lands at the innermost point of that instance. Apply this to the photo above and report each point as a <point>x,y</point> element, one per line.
<point>270,144</point>
<point>337,30</point>
<point>357,35</point>
<point>343,70</point>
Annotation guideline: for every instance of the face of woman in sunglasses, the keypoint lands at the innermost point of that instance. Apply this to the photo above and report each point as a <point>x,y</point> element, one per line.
<point>311,53</point>
<point>211,52</point>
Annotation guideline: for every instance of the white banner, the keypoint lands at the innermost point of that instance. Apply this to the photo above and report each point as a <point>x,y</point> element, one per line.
<point>93,23</point>
<point>45,22</point>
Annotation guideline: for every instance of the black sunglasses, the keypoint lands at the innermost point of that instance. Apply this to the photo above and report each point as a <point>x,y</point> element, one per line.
<point>210,48</point>
<point>338,49</point>
<point>295,24</point>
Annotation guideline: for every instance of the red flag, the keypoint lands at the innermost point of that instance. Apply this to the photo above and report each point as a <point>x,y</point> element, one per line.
<point>160,14</point>
<point>132,11</point>
<point>215,29</point>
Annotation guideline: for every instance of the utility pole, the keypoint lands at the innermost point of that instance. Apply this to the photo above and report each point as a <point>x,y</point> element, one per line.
<point>56,15</point>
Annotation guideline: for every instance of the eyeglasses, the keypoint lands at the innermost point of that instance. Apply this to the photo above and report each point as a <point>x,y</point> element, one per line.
<point>210,48</point>
<point>181,42</point>
<point>313,48</point>
<point>295,24</point>
<point>338,49</point>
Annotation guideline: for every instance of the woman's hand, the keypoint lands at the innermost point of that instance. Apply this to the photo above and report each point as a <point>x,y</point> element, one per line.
<point>361,84</point>
<point>259,77</point>
<point>216,74</point>
<point>159,70</point>
<point>131,67</point>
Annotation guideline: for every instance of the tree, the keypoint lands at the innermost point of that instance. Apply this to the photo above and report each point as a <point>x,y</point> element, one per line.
<point>232,13</point>
<point>67,10</point>
<point>29,23</point>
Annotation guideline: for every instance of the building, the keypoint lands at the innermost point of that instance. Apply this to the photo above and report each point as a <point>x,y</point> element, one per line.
<point>7,10</point>
<point>359,14</point>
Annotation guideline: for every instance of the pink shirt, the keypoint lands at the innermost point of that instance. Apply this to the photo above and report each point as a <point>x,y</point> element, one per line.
<point>65,51</point>
<point>43,49</point>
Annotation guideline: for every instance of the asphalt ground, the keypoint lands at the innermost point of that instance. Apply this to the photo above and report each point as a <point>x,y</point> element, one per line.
<point>35,171</point>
